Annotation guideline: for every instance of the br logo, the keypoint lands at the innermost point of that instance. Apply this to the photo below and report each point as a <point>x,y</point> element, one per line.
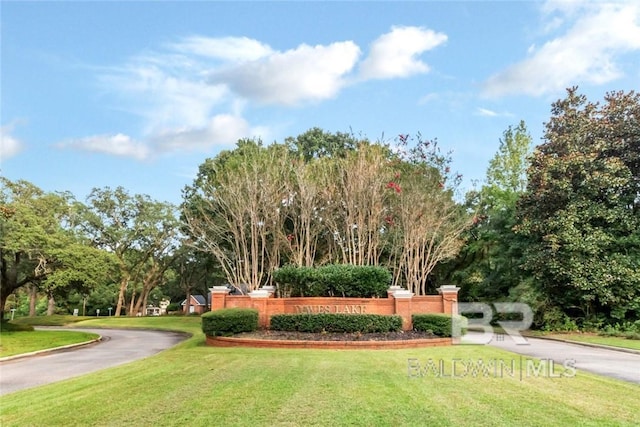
<point>476,323</point>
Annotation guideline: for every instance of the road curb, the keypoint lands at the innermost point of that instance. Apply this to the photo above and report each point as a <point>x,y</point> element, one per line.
<point>50,350</point>
<point>588,344</point>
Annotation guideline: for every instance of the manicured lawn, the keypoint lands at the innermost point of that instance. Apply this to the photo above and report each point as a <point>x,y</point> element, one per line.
<point>196,385</point>
<point>598,339</point>
<point>12,343</point>
<point>55,320</point>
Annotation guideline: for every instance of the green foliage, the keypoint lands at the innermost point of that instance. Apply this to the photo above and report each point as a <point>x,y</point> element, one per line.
<point>333,280</point>
<point>336,322</point>
<point>580,215</point>
<point>321,199</point>
<point>174,306</point>
<point>229,321</point>
<point>41,243</point>
<point>488,266</point>
<point>316,143</point>
<point>7,326</point>
<point>629,330</point>
<point>139,232</point>
<point>438,324</point>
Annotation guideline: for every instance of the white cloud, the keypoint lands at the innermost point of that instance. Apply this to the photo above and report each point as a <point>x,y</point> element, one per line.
<point>485,112</point>
<point>394,54</point>
<point>306,73</point>
<point>190,95</point>
<point>226,48</point>
<point>9,145</point>
<point>222,130</point>
<point>116,145</point>
<point>587,52</point>
<point>167,92</point>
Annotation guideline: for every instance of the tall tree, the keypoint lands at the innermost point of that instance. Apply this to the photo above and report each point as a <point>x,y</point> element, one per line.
<point>488,267</point>
<point>138,231</point>
<point>256,207</point>
<point>39,245</point>
<point>581,210</point>
<point>424,220</point>
<point>358,203</point>
<point>234,211</point>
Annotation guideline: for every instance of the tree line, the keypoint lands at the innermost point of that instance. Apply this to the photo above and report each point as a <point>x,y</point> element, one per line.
<point>555,226</point>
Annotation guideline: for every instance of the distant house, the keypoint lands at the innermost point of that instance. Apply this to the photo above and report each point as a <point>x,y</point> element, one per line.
<point>198,304</point>
<point>152,310</point>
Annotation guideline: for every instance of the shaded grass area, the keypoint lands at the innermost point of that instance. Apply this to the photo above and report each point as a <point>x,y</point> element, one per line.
<point>54,320</point>
<point>198,385</point>
<point>599,339</point>
<point>19,342</point>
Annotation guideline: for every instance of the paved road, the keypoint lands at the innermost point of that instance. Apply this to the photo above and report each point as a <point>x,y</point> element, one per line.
<point>122,346</point>
<point>117,347</point>
<point>612,363</point>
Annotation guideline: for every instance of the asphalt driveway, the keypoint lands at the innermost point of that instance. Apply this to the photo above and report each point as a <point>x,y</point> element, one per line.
<point>117,347</point>
<point>603,361</point>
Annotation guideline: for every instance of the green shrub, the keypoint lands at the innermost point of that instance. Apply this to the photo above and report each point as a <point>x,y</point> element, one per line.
<point>336,322</point>
<point>355,281</point>
<point>174,306</point>
<point>7,326</point>
<point>438,324</point>
<point>229,321</point>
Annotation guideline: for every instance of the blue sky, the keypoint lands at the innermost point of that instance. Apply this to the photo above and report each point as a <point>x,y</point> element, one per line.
<point>139,94</point>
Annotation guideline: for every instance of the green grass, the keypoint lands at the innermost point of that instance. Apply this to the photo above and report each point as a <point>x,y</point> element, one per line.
<point>12,343</point>
<point>196,385</point>
<point>598,339</point>
<point>55,320</point>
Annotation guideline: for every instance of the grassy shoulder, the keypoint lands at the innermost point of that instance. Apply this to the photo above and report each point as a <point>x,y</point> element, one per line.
<point>598,339</point>
<point>20,342</point>
<point>199,385</point>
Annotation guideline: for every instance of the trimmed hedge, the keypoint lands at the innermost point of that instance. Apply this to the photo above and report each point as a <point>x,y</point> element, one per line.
<point>355,281</point>
<point>229,321</point>
<point>336,322</point>
<point>6,326</point>
<point>438,324</point>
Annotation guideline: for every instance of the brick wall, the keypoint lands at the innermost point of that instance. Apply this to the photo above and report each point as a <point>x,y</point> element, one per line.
<point>398,301</point>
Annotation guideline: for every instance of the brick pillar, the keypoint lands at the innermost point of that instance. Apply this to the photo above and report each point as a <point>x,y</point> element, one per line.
<point>219,297</point>
<point>449,295</point>
<point>403,307</point>
<point>392,289</point>
<point>259,302</point>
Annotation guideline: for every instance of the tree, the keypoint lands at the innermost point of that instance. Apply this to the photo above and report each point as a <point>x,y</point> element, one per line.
<point>316,143</point>
<point>255,208</point>
<point>157,246</point>
<point>424,221</point>
<point>234,211</point>
<point>489,265</point>
<point>304,234</point>
<point>39,244</point>
<point>138,231</point>
<point>581,211</point>
<point>357,202</point>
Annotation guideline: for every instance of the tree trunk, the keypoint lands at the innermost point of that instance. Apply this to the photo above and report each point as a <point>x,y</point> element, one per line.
<point>33,298</point>
<point>3,303</point>
<point>187,304</point>
<point>132,312</point>
<point>123,286</point>
<point>51,306</point>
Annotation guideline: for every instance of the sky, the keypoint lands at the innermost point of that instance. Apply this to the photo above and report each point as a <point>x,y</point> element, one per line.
<point>138,94</point>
